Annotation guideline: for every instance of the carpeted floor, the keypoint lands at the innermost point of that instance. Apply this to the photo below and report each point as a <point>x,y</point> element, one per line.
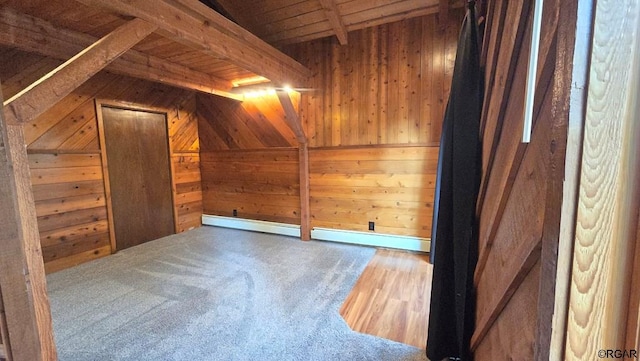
<point>215,294</point>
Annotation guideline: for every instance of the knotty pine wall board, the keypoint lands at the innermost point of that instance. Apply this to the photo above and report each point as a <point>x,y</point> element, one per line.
<point>373,120</point>
<point>389,85</point>
<point>260,184</point>
<point>392,186</point>
<point>65,158</point>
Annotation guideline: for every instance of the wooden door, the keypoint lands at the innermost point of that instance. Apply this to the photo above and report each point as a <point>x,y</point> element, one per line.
<point>137,152</point>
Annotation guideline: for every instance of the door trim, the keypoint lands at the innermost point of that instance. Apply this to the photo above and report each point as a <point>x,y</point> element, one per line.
<point>99,104</point>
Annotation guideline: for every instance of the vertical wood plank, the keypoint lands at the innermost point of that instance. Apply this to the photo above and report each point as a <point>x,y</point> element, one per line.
<point>335,107</point>
<point>437,85</point>
<point>373,81</point>
<point>560,119</point>
<point>414,83</point>
<point>383,112</point>
<point>345,95</point>
<point>608,201</point>
<point>404,70</point>
<point>426,69</point>
<point>392,80</point>
<point>393,106</point>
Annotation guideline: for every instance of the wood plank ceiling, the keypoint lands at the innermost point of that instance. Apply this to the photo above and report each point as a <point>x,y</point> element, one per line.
<point>280,22</point>
<point>194,46</point>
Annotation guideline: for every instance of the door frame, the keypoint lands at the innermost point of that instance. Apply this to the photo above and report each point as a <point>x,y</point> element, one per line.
<point>99,104</point>
<point>600,285</point>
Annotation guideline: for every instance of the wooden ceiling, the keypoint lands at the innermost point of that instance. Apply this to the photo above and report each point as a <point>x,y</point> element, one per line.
<point>194,46</point>
<point>280,22</point>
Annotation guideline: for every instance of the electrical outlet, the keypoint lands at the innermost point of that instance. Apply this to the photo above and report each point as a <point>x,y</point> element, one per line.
<point>372,226</point>
<point>235,212</point>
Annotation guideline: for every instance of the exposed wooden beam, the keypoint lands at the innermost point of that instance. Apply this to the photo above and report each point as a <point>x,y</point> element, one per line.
<point>293,121</point>
<point>39,36</point>
<point>333,15</point>
<point>305,219</point>
<point>196,25</point>
<point>290,37</point>
<point>22,279</point>
<point>39,96</point>
<point>291,116</point>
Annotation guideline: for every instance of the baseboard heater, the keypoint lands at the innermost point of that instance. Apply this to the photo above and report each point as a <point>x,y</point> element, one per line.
<point>323,234</point>
<point>252,225</point>
<point>372,239</point>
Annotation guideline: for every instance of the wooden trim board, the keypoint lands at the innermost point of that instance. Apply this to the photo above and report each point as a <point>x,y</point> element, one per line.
<point>608,193</point>
<point>571,177</point>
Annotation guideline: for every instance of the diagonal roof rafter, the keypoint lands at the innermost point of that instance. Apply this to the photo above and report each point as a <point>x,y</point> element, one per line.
<point>194,24</point>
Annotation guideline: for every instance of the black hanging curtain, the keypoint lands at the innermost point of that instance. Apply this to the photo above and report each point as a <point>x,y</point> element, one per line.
<point>454,244</point>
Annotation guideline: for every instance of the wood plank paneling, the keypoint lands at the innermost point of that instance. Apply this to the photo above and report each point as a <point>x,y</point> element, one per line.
<point>511,338</point>
<point>70,204</point>
<point>389,85</point>
<point>258,122</point>
<point>66,167</point>
<point>391,186</point>
<point>518,244</point>
<point>283,22</point>
<point>259,184</point>
<point>187,198</point>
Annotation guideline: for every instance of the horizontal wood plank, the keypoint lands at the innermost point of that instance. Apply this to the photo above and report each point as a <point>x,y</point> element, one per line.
<point>62,205</point>
<point>74,233</point>
<point>54,221</point>
<point>258,184</point>
<point>65,175</point>
<point>374,166</point>
<point>44,161</point>
<point>76,259</point>
<point>42,192</point>
<point>392,186</point>
<point>72,247</point>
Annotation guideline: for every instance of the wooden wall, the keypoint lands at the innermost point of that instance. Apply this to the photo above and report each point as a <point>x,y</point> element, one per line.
<point>392,186</point>
<point>249,159</point>
<point>65,157</point>
<point>389,85</point>
<point>256,123</point>
<point>521,192</point>
<point>260,184</point>
<point>372,119</point>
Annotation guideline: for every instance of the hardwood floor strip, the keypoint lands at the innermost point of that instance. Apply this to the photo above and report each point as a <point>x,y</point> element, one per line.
<point>391,297</point>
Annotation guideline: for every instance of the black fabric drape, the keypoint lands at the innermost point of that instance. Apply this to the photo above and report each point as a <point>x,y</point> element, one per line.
<point>454,245</point>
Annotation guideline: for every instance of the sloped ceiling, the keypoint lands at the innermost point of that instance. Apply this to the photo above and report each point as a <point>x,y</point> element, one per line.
<point>188,55</point>
<point>280,22</point>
